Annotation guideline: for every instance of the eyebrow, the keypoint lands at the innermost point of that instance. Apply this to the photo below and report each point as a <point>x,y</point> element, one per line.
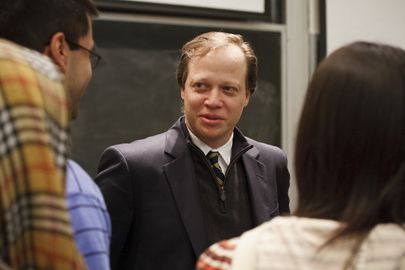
<point>230,83</point>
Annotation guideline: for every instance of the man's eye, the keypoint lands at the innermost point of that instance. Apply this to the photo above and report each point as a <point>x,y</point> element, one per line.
<point>199,85</point>
<point>229,88</point>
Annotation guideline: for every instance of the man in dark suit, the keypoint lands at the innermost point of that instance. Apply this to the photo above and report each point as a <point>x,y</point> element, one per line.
<point>172,195</point>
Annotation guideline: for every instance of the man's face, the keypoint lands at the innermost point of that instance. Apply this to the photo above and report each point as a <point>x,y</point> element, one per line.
<point>215,94</point>
<point>78,71</point>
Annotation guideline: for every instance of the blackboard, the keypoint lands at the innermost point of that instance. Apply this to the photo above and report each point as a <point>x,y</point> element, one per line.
<point>257,10</point>
<point>134,94</point>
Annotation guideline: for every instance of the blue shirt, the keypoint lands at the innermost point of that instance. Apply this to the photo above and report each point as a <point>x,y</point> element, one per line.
<point>90,219</point>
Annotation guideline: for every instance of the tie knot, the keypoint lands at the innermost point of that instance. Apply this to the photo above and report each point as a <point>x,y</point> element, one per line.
<point>213,157</point>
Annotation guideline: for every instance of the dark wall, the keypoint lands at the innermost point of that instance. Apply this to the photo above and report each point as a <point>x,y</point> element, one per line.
<point>134,94</point>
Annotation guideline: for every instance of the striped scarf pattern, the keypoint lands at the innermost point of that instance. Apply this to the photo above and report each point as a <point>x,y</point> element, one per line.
<point>35,229</point>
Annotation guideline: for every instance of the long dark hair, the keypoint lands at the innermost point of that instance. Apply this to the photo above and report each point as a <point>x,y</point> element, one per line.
<point>350,148</point>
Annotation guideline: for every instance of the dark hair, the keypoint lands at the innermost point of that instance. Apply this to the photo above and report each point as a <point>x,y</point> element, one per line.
<point>32,23</point>
<point>350,148</point>
<point>203,44</point>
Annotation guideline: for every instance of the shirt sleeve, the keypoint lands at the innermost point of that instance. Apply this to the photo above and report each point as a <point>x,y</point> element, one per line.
<point>90,219</point>
<point>218,256</point>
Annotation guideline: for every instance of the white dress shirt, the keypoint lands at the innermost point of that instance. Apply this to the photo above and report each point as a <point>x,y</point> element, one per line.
<point>225,150</point>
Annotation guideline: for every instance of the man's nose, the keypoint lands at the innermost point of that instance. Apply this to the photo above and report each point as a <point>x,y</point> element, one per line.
<point>214,98</point>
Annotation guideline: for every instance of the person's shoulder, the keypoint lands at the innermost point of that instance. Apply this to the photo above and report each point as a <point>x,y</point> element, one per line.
<point>144,147</point>
<point>73,167</point>
<point>151,146</point>
<point>264,147</point>
<point>153,141</point>
<point>218,256</point>
<point>78,181</point>
<point>300,225</point>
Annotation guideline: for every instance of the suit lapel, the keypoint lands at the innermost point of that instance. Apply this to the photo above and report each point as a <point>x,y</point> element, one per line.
<point>262,198</point>
<point>181,177</point>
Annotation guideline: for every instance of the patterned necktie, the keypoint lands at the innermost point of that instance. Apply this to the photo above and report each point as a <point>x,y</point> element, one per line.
<point>213,157</point>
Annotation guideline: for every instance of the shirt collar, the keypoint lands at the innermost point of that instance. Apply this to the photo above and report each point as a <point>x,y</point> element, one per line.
<point>225,150</point>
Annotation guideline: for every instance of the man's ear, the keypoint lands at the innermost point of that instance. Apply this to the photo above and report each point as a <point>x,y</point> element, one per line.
<point>248,93</point>
<point>58,51</point>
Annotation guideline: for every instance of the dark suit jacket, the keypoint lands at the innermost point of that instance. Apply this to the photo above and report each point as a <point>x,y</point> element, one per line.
<point>151,194</point>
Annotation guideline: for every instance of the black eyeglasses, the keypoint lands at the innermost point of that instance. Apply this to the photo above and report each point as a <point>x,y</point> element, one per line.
<point>94,58</point>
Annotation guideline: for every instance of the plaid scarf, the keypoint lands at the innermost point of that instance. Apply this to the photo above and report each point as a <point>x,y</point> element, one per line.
<point>35,229</point>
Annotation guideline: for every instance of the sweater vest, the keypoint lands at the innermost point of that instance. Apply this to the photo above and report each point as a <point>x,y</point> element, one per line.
<point>227,217</point>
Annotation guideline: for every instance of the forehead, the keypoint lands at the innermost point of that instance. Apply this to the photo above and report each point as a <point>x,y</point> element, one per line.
<point>228,56</point>
<point>207,50</point>
<point>220,66</point>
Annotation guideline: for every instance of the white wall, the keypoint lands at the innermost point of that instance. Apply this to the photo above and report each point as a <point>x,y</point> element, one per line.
<point>295,74</point>
<point>371,20</point>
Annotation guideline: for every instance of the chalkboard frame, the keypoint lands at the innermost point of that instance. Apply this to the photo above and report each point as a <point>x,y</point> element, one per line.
<point>272,12</point>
